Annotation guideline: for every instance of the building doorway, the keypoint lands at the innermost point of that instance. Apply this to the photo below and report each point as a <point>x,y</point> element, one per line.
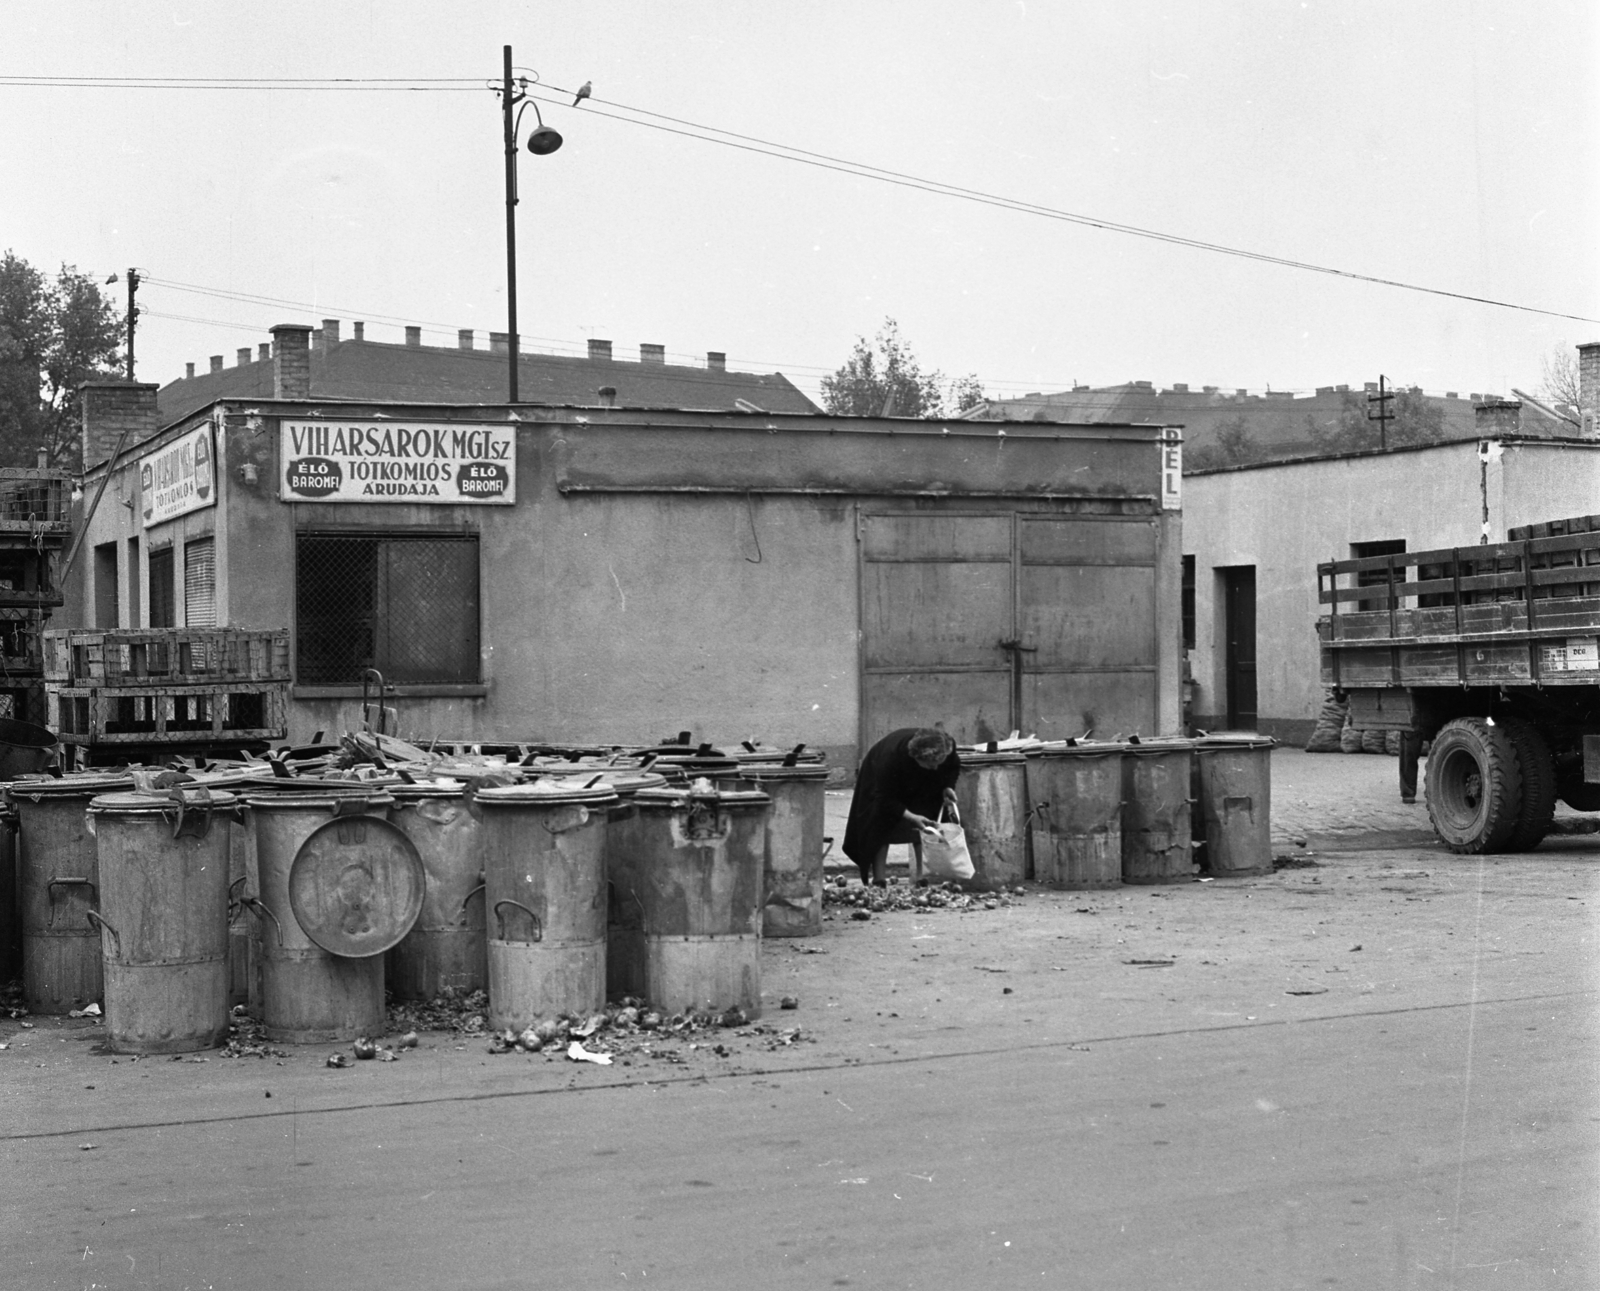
<point>1239,659</point>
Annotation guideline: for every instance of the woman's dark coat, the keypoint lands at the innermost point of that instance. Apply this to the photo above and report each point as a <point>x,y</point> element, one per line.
<point>888,785</point>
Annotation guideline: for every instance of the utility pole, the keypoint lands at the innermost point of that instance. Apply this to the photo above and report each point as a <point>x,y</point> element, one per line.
<point>133,315</point>
<point>1383,416</point>
<point>507,102</point>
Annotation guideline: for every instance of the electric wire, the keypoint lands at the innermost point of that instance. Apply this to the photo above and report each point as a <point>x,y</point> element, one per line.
<point>685,128</point>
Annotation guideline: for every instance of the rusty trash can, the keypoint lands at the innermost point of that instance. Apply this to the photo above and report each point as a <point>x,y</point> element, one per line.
<point>163,917</point>
<point>1235,798</point>
<point>792,870</point>
<point>447,946</point>
<point>992,797</point>
<point>544,863</point>
<point>339,885</point>
<point>58,877</point>
<point>1157,845</point>
<point>686,901</point>
<point>1075,814</point>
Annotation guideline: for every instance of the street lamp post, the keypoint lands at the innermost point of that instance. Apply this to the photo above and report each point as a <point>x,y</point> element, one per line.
<point>543,141</point>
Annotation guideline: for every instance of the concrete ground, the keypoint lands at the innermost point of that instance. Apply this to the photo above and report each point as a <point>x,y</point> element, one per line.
<point>1376,1069</point>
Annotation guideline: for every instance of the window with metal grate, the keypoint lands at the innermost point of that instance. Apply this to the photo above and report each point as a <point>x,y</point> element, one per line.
<point>405,604</point>
<point>200,583</point>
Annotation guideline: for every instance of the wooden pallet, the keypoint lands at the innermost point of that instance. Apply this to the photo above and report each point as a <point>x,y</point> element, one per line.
<point>21,641</point>
<point>118,657</point>
<point>93,716</point>
<point>34,502</point>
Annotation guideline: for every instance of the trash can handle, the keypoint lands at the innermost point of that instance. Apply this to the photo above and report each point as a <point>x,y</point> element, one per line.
<point>194,827</point>
<point>461,912</point>
<point>258,907</point>
<point>354,804</point>
<point>94,917</point>
<point>235,903</point>
<point>538,928</point>
<point>66,881</point>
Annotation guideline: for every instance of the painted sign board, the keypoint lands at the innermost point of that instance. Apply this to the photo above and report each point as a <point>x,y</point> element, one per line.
<point>397,461</point>
<point>1171,468</point>
<point>178,477</point>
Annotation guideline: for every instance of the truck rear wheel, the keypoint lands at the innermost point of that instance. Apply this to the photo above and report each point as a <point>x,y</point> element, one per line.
<point>1538,771</point>
<point>1474,788</point>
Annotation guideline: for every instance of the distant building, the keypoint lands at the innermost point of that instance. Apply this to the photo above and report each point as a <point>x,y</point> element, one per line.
<point>1278,425</point>
<point>467,373</point>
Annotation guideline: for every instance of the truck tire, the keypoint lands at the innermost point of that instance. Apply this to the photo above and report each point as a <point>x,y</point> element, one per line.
<point>1538,771</point>
<point>1474,788</point>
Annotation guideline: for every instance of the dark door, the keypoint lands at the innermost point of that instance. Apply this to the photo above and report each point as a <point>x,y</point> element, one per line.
<point>1239,595</point>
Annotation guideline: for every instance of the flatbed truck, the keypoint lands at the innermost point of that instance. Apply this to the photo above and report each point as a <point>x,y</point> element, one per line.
<point>1491,653</point>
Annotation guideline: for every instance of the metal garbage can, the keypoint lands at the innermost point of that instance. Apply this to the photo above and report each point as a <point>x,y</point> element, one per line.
<point>1235,797</point>
<point>1075,814</point>
<point>544,864</point>
<point>992,797</point>
<point>447,946</point>
<point>792,871</point>
<point>58,873</point>
<point>686,898</point>
<point>1157,846</point>
<point>163,918</point>
<point>339,885</point>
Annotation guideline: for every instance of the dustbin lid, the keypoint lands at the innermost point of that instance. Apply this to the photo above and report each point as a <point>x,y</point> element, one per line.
<point>983,758</point>
<point>1156,747</point>
<point>1077,749</point>
<point>776,771</point>
<point>146,804</point>
<point>673,797</point>
<point>1214,740</point>
<point>356,886</point>
<point>313,794</point>
<point>439,787</point>
<point>84,784</point>
<point>554,792</point>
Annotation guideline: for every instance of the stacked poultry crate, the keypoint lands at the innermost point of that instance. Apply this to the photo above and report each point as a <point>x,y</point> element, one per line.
<point>34,527</point>
<point>164,687</point>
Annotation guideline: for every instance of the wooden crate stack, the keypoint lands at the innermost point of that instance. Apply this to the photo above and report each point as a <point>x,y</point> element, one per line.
<point>167,686</point>
<point>34,529</point>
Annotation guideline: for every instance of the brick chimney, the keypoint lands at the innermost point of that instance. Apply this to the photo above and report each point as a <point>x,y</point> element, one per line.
<point>244,355</point>
<point>291,361</point>
<point>1498,417</point>
<point>188,371</point>
<point>107,408</point>
<point>652,353</point>
<point>330,333</point>
<point>264,351</point>
<point>716,360</point>
<point>600,349</point>
<point>216,363</point>
<point>464,338</point>
<point>1589,389</point>
<point>500,342</point>
<point>360,331</point>
<point>413,336</point>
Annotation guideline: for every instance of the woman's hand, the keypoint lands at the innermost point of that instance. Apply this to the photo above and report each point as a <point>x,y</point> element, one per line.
<point>921,822</point>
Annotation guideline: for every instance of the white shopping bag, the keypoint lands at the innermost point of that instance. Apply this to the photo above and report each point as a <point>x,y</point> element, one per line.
<point>944,851</point>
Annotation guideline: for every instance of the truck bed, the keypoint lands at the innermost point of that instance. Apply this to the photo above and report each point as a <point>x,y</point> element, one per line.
<point>1525,612</point>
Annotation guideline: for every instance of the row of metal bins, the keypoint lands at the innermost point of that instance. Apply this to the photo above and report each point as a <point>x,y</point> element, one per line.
<point>1090,815</point>
<point>298,893</point>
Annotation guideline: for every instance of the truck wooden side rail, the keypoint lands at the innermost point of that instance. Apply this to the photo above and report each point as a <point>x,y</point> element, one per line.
<point>1493,653</point>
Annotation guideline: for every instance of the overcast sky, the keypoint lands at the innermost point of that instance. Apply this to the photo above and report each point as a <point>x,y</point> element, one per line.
<point>1451,145</point>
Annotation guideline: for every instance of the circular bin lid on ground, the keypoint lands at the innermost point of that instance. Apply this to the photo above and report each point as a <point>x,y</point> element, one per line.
<point>356,886</point>
<point>555,792</point>
<point>86,784</point>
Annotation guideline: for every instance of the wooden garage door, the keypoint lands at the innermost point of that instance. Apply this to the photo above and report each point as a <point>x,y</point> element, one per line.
<point>1000,622</point>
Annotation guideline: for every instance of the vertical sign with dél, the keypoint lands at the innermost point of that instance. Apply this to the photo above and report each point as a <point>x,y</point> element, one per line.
<point>1171,446</point>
